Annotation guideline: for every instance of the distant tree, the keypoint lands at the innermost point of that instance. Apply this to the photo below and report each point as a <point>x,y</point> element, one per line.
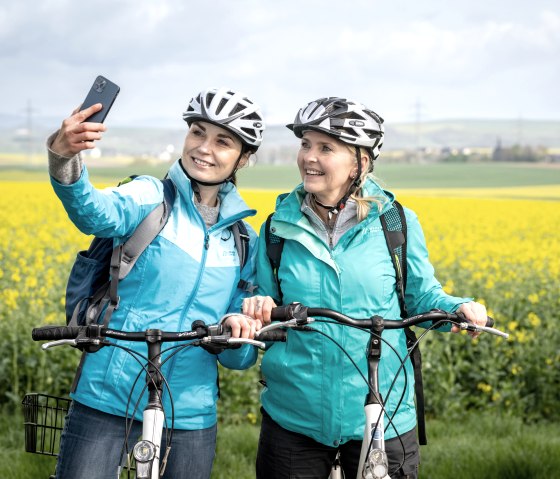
<point>519,153</point>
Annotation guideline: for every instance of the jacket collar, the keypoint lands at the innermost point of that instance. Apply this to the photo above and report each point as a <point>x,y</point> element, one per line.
<point>232,206</point>
<point>288,207</point>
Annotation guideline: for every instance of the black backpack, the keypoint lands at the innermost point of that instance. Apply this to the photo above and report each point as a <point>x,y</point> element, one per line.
<point>393,223</point>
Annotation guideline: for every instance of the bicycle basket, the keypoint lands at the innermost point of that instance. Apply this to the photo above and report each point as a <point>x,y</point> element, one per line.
<point>43,421</point>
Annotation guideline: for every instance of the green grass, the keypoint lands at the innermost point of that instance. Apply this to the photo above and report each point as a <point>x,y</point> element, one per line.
<point>481,446</point>
<point>463,175</point>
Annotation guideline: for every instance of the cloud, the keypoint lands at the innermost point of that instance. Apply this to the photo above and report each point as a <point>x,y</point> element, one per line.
<point>466,59</point>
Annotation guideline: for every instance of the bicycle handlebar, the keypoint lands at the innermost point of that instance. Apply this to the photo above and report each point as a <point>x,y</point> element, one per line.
<point>94,334</point>
<point>299,313</point>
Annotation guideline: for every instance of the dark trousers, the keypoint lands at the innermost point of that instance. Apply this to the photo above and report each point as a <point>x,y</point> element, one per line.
<point>283,454</point>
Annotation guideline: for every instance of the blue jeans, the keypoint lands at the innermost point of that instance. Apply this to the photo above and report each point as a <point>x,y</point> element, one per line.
<point>91,445</point>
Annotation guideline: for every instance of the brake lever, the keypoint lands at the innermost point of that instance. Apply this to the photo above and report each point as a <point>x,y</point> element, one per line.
<point>483,329</point>
<point>291,323</point>
<point>59,342</point>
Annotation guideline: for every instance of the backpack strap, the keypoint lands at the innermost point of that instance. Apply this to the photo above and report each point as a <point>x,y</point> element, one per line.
<point>274,247</point>
<point>393,222</point>
<point>122,260</point>
<point>146,232</point>
<point>124,256</point>
<point>241,239</point>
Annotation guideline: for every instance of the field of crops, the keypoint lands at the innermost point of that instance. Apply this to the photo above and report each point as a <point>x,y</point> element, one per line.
<point>486,244</point>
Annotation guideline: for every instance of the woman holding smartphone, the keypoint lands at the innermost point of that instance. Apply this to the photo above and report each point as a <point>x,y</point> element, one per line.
<point>189,272</point>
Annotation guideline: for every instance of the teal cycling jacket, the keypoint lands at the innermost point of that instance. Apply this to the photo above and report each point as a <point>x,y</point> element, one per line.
<point>188,273</point>
<point>312,387</point>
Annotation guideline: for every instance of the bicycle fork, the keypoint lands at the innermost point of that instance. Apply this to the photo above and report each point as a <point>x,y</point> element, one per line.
<point>373,458</point>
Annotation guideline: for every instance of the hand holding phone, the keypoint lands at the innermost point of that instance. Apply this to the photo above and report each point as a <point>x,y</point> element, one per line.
<point>102,91</point>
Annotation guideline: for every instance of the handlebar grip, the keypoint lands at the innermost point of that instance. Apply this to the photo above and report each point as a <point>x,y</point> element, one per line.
<point>53,333</point>
<point>489,320</point>
<point>281,313</point>
<point>273,335</point>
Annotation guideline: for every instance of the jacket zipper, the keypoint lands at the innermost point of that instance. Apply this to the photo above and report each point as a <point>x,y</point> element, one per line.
<point>171,366</point>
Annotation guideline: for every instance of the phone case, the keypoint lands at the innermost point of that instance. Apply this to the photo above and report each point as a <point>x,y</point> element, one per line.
<point>102,91</point>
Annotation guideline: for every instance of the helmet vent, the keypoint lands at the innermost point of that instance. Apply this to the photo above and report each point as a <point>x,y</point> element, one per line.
<point>223,102</point>
<point>249,131</point>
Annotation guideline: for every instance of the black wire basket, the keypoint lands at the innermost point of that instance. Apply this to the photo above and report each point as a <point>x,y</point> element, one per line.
<point>43,421</point>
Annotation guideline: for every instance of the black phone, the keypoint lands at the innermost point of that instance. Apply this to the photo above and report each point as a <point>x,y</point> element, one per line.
<point>102,91</point>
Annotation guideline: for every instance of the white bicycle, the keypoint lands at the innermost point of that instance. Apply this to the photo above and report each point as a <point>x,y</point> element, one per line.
<point>373,462</point>
<point>150,462</point>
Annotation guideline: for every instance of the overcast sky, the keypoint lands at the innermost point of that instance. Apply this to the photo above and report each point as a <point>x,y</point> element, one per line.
<point>436,59</point>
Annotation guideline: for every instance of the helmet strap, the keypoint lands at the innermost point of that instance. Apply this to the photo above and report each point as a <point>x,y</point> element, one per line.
<point>341,204</point>
<point>358,178</point>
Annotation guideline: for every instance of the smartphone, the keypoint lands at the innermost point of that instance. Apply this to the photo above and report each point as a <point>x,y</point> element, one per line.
<point>102,91</point>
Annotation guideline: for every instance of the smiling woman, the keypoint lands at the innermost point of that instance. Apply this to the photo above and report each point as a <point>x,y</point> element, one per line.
<point>211,156</point>
<point>225,129</point>
<point>335,255</point>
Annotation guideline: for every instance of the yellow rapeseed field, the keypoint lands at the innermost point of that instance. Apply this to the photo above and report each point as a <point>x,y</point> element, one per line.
<point>502,251</point>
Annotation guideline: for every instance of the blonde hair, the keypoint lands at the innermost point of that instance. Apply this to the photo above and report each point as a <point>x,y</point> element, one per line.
<point>364,204</point>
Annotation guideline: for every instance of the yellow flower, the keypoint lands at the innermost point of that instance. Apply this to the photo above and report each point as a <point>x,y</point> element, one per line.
<point>534,320</point>
<point>533,298</point>
<point>522,336</point>
<point>52,318</point>
<point>252,418</point>
<point>485,388</point>
<point>10,299</point>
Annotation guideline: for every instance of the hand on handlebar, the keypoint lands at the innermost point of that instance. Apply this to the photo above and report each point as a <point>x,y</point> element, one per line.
<point>475,313</point>
<point>259,308</point>
<point>242,326</point>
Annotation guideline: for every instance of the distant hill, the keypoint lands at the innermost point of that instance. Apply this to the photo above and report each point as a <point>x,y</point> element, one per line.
<point>280,143</point>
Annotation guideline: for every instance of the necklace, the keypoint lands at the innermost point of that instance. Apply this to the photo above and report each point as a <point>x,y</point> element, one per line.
<point>322,205</point>
<point>331,210</point>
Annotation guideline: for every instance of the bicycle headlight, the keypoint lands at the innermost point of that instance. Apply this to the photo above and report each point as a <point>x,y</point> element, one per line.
<point>144,451</point>
<point>376,466</point>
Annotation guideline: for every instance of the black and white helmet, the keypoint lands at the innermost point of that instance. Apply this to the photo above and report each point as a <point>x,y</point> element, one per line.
<point>347,120</point>
<point>230,110</point>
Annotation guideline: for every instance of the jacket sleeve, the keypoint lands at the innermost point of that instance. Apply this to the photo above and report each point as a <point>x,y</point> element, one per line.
<point>423,291</point>
<point>245,356</point>
<point>111,212</point>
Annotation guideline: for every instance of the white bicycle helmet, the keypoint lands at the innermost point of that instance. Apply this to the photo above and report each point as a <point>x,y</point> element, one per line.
<point>230,110</point>
<point>347,120</point>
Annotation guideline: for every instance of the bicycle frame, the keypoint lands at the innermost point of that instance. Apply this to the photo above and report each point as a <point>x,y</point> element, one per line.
<point>373,443</point>
<point>147,451</point>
